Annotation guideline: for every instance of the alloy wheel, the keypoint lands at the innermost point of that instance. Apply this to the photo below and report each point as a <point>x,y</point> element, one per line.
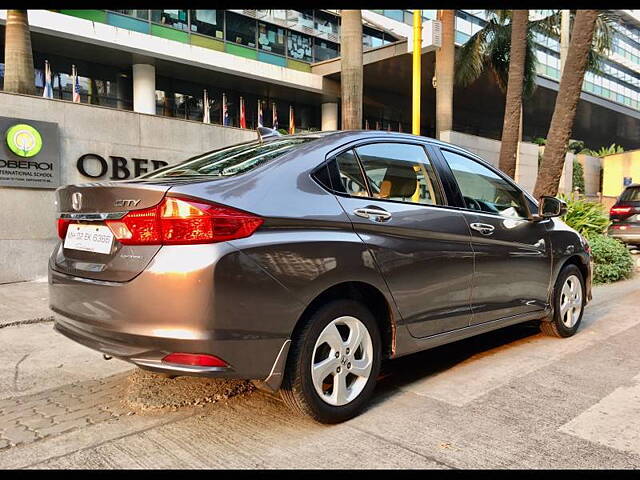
<point>342,360</point>
<point>571,301</point>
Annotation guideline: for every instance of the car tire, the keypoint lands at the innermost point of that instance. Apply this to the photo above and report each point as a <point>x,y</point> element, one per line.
<point>568,304</point>
<point>315,344</point>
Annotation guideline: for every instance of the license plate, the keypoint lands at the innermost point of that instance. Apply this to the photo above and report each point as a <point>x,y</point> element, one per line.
<point>89,238</point>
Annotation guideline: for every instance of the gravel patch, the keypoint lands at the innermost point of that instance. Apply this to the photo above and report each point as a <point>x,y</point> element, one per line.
<point>148,391</point>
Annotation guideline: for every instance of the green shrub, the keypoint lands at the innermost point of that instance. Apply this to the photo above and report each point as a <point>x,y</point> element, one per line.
<point>604,151</point>
<point>578,176</point>
<point>576,146</point>
<point>539,141</point>
<point>588,218</point>
<point>612,260</point>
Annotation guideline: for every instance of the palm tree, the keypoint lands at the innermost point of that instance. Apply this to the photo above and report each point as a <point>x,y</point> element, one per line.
<point>19,76</point>
<point>580,49</point>
<point>351,68</point>
<point>513,105</point>
<point>445,59</point>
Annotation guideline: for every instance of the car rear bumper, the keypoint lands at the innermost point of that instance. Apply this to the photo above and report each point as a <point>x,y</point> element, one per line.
<point>204,310</point>
<point>626,233</point>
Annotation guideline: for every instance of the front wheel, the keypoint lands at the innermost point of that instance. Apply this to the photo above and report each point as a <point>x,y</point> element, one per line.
<point>568,303</point>
<point>333,363</point>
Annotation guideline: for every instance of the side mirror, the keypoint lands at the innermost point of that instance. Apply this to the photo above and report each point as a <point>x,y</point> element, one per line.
<point>552,207</point>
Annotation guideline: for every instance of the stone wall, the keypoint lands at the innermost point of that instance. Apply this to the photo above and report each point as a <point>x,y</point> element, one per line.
<point>27,222</point>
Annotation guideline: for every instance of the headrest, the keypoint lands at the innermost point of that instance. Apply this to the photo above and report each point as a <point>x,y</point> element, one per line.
<point>399,181</point>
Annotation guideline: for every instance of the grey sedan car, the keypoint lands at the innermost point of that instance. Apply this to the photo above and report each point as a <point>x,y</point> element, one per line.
<point>302,262</point>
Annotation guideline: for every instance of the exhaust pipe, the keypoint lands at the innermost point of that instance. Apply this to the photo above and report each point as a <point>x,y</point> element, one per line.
<point>106,357</point>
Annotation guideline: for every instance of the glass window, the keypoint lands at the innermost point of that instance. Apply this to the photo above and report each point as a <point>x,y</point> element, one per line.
<point>298,46</point>
<point>271,38</point>
<point>326,23</point>
<point>346,176</point>
<point>141,14</point>
<point>208,22</point>
<point>400,172</point>
<point>631,194</point>
<point>484,190</point>
<point>233,160</point>
<point>172,18</point>
<point>324,50</point>
<point>241,29</point>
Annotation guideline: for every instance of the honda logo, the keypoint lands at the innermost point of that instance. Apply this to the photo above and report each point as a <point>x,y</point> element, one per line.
<point>76,201</point>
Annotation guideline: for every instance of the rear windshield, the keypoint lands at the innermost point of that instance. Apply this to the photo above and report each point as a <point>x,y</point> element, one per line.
<point>231,161</point>
<point>631,195</point>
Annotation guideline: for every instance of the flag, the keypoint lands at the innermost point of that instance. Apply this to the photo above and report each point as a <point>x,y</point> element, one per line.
<point>292,122</point>
<point>366,124</point>
<point>274,116</point>
<point>260,119</point>
<point>243,121</point>
<point>206,114</point>
<point>226,121</point>
<point>76,85</point>
<point>48,88</point>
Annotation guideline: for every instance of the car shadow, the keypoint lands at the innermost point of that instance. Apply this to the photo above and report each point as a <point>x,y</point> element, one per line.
<point>403,371</point>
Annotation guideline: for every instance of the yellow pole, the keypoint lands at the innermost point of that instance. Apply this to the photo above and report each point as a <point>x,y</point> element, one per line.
<point>417,49</point>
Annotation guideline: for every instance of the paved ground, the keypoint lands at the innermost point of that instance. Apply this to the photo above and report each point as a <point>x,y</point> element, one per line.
<point>507,399</point>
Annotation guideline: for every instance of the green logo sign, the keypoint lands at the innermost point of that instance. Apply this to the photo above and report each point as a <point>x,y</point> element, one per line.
<point>24,140</point>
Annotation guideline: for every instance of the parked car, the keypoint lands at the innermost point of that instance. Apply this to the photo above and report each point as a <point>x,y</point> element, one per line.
<point>302,262</point>
<point>625,216</point>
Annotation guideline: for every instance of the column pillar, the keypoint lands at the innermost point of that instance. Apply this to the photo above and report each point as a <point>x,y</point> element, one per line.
<point>144,88</point>
<point>329,116</point>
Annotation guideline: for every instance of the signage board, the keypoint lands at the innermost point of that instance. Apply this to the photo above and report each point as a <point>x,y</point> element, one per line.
<point>30,153</point>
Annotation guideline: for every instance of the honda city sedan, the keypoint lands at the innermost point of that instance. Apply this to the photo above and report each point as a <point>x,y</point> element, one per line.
<point>302,262</point>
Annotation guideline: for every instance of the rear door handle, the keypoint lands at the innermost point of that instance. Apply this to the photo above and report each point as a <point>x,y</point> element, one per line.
<point>483,228</point>
<point>374,214</point>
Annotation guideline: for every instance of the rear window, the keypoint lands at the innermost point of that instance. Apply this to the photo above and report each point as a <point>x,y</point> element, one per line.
<point>631,195</point>
<point>231,161</point>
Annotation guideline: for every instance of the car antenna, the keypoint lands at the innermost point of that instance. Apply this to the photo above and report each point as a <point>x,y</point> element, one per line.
<point>264,132</point>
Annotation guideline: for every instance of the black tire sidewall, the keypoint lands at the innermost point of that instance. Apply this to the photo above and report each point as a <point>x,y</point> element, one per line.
<point>565,273</point>
<point>319,320</point>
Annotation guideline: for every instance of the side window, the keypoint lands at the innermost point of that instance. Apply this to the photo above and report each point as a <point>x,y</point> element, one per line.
<point>346,176</point>
<point>484,190</point>
<point>400,172</point>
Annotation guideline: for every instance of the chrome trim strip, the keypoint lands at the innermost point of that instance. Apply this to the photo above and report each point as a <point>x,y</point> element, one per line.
<point>92,216</point>
<point>175,367</point>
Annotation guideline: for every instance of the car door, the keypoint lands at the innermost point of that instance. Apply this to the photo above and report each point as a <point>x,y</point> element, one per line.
<point>512,253</point>
<point>421,247</point>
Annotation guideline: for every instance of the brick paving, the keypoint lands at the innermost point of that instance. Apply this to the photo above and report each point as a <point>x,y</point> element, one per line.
<point>60,410</point>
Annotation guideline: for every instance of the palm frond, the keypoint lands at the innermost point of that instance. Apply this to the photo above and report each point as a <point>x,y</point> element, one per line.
<point>549,25</point>
<point>530,67</point>
<point>470,58</point>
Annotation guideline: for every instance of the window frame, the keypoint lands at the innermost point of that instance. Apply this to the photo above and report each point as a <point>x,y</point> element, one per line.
<point>331,156</point>
<point>457,192</point>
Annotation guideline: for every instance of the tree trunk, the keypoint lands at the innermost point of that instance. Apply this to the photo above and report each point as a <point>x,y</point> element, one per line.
<point>19,76</point>
<point>513,104</point>
<point>566,104</point>
<point>445,58</point>
<point>351,69</point>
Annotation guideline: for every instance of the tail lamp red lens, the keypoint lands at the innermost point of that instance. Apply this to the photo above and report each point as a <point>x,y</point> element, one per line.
<point>197,359</point>
<point>619,210</point>
<point>63,225</point>
<point>181,221</point>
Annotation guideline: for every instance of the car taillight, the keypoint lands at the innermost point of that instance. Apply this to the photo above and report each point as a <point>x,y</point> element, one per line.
<point>181,221</point>
<point>197,359</point>
<point>63,225</point>
<point>619,210</point>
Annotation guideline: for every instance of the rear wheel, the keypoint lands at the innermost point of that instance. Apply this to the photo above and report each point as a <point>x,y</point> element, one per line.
<point>333,363</point>
<point>568,306</point>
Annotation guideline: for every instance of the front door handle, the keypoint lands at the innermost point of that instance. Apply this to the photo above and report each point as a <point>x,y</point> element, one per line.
<point>374,214</point>
<point>483,228</point>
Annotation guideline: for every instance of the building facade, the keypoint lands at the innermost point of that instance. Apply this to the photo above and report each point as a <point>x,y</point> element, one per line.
<point>167,58</point>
